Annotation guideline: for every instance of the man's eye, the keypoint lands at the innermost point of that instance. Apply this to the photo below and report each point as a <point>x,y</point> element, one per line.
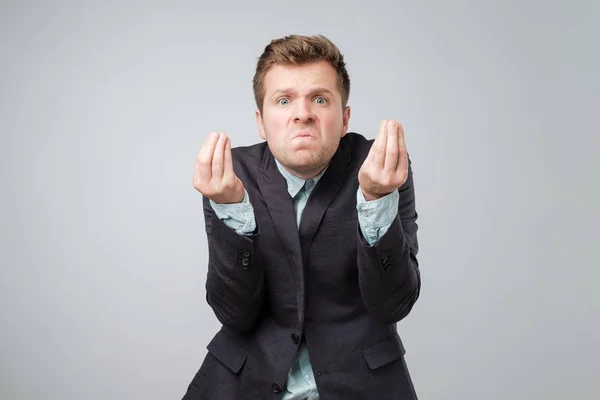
<point>283,102</point>
<point>321,100</point>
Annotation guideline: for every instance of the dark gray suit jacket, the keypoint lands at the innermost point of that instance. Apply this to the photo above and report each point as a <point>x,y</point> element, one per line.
<point>320,282</point>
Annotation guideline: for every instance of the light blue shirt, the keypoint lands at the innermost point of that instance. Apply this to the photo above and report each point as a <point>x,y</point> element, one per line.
<point>374,217</point>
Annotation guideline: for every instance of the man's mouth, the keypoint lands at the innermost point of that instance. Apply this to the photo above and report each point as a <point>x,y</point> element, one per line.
<point>303,135</point>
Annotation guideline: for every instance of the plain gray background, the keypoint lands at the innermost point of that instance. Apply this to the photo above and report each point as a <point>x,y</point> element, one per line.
<point>104,106</point>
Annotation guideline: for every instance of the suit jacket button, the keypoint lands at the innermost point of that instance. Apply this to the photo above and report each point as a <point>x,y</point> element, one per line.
<point>386,259</point>
<point>295,338</point>
<point>245,258</point>
<point>246,263</point>
<point>276,388</point>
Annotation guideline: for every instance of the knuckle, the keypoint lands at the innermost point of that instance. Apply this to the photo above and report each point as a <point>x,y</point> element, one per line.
<point>224,184</point>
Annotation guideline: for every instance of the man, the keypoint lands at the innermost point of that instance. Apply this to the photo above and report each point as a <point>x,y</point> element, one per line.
<point>312,241</point>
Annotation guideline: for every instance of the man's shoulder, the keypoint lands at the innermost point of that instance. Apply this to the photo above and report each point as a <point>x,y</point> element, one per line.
<point>357,139</point>
<point>249,151</point>
<point>246,159</point>
<point>357,144</point>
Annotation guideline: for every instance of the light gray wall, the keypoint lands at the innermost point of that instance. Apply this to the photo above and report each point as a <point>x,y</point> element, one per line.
<point>103,107</point>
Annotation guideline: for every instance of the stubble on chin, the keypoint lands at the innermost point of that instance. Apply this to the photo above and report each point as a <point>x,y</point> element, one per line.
<point>306,161</point>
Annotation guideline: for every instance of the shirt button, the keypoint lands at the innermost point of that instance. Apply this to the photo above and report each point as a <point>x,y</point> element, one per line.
<point>295,338</point>
<point>276,388</point>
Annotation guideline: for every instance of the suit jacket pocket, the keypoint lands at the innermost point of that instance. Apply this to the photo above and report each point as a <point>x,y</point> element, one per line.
<point>381,353</point>
<point>227,352</point>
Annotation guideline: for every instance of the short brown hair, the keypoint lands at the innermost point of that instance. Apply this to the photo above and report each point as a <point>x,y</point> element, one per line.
<point>299,50</point>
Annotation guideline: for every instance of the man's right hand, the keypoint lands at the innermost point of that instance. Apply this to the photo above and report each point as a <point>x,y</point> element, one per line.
<point>213,171</point>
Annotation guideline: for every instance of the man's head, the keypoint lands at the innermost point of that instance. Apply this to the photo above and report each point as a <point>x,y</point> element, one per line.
<point>301,88</point>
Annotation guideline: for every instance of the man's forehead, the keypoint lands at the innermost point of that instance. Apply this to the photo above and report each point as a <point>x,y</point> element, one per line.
<point>312,77</point>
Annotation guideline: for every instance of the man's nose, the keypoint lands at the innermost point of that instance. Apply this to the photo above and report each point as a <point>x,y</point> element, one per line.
<point>303,111</point>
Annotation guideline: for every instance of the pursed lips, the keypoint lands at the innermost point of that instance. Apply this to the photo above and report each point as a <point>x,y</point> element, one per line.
<point>303,135</point>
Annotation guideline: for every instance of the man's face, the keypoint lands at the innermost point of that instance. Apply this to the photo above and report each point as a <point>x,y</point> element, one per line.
<point>302,118</point>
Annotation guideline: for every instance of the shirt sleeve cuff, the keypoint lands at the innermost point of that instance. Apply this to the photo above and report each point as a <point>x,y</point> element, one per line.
<point>237,216</point>
<point>376,216</point>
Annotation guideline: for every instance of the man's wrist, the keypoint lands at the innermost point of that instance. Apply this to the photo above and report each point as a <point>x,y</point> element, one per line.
<point>372,196</point>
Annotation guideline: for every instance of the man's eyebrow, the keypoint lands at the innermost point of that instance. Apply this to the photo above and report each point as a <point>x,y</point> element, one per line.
<point>291,91</point>
<point>279,92</point>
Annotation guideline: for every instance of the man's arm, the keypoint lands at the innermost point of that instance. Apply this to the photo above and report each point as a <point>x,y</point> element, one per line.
<point>388,269</point>
<point>234,284</point>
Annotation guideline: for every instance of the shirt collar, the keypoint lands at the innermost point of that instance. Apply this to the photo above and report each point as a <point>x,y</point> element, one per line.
<point>294,183</point>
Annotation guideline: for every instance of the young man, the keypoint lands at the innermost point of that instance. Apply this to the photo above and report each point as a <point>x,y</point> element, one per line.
<point>312,241</point>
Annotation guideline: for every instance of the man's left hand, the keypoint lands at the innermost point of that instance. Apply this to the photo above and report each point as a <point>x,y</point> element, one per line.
<point>386,167</point>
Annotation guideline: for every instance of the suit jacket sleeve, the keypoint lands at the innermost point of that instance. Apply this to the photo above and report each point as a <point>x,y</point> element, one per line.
<point>234,284</point>
<point>389,277</point>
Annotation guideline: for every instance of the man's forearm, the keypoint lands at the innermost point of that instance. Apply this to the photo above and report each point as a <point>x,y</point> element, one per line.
<point>235,279</point>
<point>389,277</point>
<point>388,269</point>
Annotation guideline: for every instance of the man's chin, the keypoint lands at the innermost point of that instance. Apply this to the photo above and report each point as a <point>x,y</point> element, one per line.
<point>303,145</point>
<point>306,165</point>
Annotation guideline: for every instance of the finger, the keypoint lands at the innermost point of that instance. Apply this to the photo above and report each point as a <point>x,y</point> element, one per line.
<point>403,154</point>
<point>378,148</point>
<point>227,160</point>
<point>392,147</point>
<point>204,164</point>
<point>218,157</point>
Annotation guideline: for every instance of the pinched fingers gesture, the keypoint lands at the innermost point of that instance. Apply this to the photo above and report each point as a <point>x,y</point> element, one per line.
<point>213,171</point>
<point>386,167</point>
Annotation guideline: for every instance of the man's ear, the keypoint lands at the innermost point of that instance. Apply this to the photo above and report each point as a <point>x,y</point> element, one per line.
<point>346,120</point>
<point>259,123</point>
